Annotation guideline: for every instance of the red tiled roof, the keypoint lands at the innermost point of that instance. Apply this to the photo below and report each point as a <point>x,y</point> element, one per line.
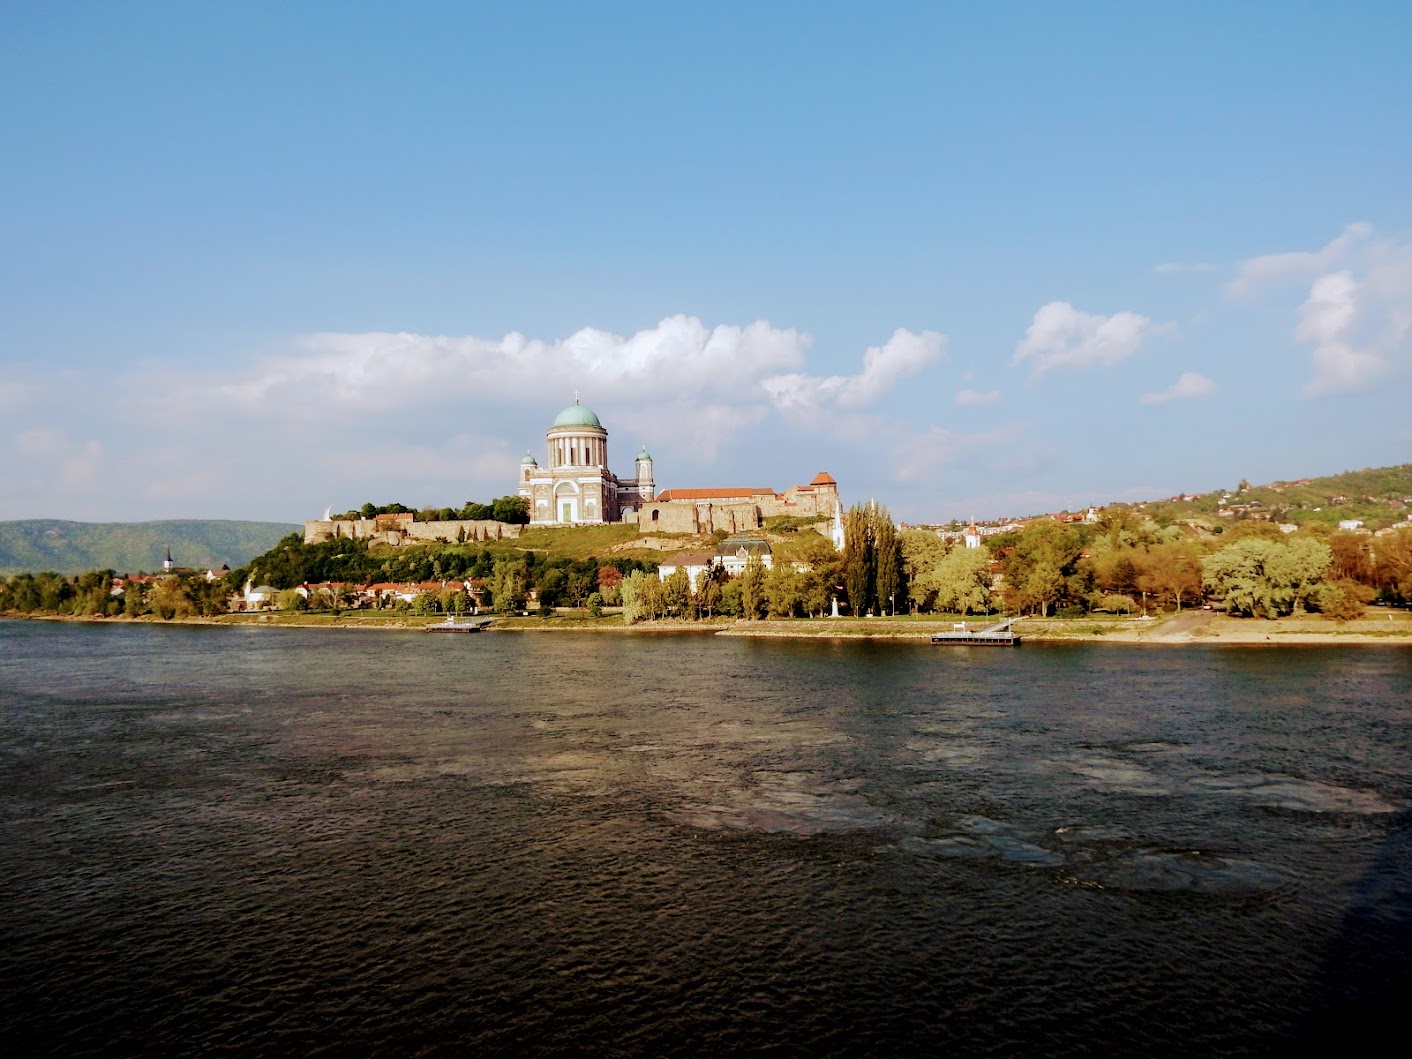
<point>823,478</point>
<point>712,494</point>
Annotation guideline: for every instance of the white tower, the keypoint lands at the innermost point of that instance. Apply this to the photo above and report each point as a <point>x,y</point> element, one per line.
<point>646,488</point>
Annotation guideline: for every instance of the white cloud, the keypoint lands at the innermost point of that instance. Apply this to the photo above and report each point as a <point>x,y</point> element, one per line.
<point>906,353</point>
<point>1257,272</point>
<point>1061,336</point>
<point>1357,316</point>
<point>1188,384</point>
<point>334,371</point>
<point>969,398</point>
<point>1326,321</point>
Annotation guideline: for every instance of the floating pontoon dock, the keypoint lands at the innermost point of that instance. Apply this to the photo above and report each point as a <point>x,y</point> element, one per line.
<point>997,635</point>
<point>450,625</point>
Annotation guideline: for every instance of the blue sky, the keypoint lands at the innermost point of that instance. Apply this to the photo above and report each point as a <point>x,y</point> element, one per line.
<point>260,259</point>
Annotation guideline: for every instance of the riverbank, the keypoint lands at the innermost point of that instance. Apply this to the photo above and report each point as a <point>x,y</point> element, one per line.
<point>1380,626</point>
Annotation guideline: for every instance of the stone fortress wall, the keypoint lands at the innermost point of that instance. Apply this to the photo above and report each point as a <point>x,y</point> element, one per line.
<point>385,531</point>
<point>735,510</point>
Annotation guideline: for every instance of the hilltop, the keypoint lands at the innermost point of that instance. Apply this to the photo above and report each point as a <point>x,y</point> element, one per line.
<point>74,547</point>
<point>1378,497</point>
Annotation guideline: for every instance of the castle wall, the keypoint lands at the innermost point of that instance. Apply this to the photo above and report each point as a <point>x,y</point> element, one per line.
<point>708,516</point>
<point>317,530</point>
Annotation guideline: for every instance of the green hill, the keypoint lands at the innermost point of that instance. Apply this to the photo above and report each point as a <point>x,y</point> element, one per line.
<point>1376,496</point>
<point>128,547</point>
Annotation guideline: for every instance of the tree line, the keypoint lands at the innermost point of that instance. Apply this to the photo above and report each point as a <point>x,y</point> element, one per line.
<point>1123,565</point>
<point>508,509</point>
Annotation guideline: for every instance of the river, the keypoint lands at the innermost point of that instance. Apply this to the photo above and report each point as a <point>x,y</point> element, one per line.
<point>292,842</point>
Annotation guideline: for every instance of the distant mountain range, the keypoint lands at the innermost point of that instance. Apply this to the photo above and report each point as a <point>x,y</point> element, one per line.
<point>129,547</point>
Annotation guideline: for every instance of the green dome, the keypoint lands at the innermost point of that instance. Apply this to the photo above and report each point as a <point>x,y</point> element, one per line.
<point>643,454</point>
<point>577,415</point>
<point>529,460</point>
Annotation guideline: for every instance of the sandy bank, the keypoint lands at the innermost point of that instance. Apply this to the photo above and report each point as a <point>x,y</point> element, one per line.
<point>1386,628</point>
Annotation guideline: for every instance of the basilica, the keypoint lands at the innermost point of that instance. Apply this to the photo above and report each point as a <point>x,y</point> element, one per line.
<point>576,487</point>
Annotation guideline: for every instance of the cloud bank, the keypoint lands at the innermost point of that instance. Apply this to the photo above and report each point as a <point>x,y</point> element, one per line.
<point>1061,336</point>
<point>905,354</point>
<point>1257,272</point>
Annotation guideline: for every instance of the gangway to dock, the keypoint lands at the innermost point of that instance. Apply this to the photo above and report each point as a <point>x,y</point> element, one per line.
<point>1001,634</point>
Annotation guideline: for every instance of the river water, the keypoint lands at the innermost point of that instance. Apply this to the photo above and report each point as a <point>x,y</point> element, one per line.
<point>290,842</point>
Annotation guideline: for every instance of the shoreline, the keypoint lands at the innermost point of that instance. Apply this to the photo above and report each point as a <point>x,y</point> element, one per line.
<point>1186,628</point>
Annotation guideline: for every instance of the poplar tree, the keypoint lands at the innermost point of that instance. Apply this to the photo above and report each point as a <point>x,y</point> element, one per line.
<point>859,563</point>
<point>888,579</point>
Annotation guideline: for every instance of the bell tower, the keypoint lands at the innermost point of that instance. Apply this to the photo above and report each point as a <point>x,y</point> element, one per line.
<point>646,488</point>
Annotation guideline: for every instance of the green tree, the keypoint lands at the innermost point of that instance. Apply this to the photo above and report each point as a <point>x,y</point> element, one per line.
<point>1267,578</point>
<point>676,593</point>
<point>511,509</point>
<point>752,588</point>
<point>708,589</point>
<point>1043,587</point>
<point>1345,600</point>
<point>730,604</point>
<point>630,590</point>
<point>859,559</point>
<point>960,581</point>
<point>509,584</point>
<point>783,591</point>
<point>290,599</point>
<point>134,603</point>
<point>889,578</point>
<point>1038,563</point>
<point>921,551</point>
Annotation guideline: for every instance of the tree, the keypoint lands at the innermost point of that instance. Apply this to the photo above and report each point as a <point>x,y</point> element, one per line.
<point>752,588</point>
<point>958,582</point>
<point>631,591</point>
<point>921,551</point>
<point>1038,562</point>
<point>1043,587</point>
<point>292,599</point>
<point>859,561</point>
<point>610,578</point>
<point>511,509</point>
<point>509,584</point>
<point>1266,578</point>
<point>133,603</point>
<point>708,588</point>
<point>676,593</point>
<point>889,577</point>
<point>654,601</point>
<point>783,591</point>
<point>1171,571</point>
<point>1345,600</point>
<point>1392,571</point>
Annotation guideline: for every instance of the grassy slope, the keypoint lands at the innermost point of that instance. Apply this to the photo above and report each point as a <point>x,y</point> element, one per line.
<point>127,547</point>
<point>1375,495</point>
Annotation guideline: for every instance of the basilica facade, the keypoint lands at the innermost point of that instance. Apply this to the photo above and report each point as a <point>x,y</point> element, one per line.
<point>575,487</point>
